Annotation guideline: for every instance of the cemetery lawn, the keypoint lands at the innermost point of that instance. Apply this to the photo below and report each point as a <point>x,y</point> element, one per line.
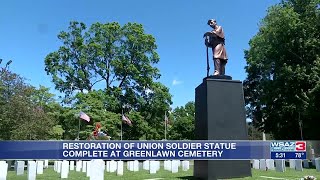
<point>49,174</point>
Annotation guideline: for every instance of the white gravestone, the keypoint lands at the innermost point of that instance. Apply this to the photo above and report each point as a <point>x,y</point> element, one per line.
<point>158,165</point>
<point>135,166</point>
<point>20,168</point>
<point>306,163</point>
<point>256,164</point>
<point>280,165</point>
<point>153,167</point>
<point>3,170</point>
<point>317,163</point>
<point>71,165</point>
<point>185,165</point>
<point>108,166</point>
<point>113,166</point>
<point>263,165</point>
<point>64,169</point>
<point>119,168</point>
<point>39,167</point>
<point>146,165</point>
<point>292,163</point>
<point>55,166</point>
<point>84,166</point>
<point>270,164</point>
<point>78,166</point>
<point>298,165</point>
<point>46,164</point>
<point>89,168</point>
<point>59,166</point>
<point>166,165</point>
<point>130,165</point>
<point>97,170</point>
<point>32,170</point>
<point>174,166</point>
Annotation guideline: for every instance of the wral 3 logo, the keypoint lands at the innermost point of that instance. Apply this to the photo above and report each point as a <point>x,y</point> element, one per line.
<point>292,146</point>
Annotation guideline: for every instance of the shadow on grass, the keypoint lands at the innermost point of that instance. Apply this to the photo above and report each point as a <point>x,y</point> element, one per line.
<point>189,178</point>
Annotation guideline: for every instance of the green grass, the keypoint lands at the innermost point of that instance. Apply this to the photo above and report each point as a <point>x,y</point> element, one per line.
<point>49,174</point>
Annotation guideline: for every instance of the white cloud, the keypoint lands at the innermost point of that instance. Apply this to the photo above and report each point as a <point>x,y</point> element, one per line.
<point>176,82</point>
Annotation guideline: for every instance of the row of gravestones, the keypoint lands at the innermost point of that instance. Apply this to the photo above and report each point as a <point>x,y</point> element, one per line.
<point>33,168</point>
<point>93,169</point>
<point>279,165</point>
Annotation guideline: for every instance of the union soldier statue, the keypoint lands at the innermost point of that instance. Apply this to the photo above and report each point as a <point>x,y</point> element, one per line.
<point>215,39</point>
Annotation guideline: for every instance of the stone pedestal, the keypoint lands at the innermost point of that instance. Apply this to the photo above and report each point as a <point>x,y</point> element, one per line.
<point>220,115</point>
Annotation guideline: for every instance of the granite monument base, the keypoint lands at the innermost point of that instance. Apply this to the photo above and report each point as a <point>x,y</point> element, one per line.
<point>220,115</point>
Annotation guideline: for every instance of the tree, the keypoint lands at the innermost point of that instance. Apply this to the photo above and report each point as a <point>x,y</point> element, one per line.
<point>283,63</point>
<point>183,126</point>
<point>20,118</point>
<point>120,58</point>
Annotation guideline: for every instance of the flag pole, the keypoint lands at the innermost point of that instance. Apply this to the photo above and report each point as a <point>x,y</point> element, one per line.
<point>121,126</point>
<point>165,125</point>
<point>79,130</point>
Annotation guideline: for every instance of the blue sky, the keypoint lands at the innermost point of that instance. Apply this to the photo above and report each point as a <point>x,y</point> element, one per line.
<point>29,32</point>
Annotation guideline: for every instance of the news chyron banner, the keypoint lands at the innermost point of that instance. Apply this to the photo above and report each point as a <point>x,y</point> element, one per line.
<point>153,150</point>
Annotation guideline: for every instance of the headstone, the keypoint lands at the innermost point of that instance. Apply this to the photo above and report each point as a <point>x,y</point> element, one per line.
<point>256,164</point>
<point>71,165</point>
<point>306,163</point>
<point>292,163</point>
<point>39,167</point>
<point>46,163</point>
<point>263,165</point>
<point>158,166</point>
<point>185,165</point>
<point>270,164</point>
<point>135,166</point>
<point>153,167</point>
<point>130,165</point>
<point>84,166</point>
<point>280,165</point>
<point>96,169</point>
<point>119,168</point>
<point>89,168</point>
<point>64,169</point>
<point>20,167</point>
<point>32,170</point>
<point>146,165</point>
<point>165,165</point>
<point>108,166</point>
<point>59,166</point>
<point>298,165</point>
<point>313,161</point>
<point>113,166</point>
<point>175,166</point>
<point>3,170</point>
<point>104,165</point>
<point>317,164</point>
<point>78,166</point>
<point>54,166</point>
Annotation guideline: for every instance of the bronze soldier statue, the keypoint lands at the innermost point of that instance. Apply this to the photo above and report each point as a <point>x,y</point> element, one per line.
<point>215,39</point>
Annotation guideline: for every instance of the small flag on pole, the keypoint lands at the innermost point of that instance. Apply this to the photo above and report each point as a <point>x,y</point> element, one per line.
<point>126,120</point>
<point>84,116</point>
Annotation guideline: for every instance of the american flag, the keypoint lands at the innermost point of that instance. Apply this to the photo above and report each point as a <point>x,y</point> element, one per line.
<point>126,120</point>
<point>84,116</point>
